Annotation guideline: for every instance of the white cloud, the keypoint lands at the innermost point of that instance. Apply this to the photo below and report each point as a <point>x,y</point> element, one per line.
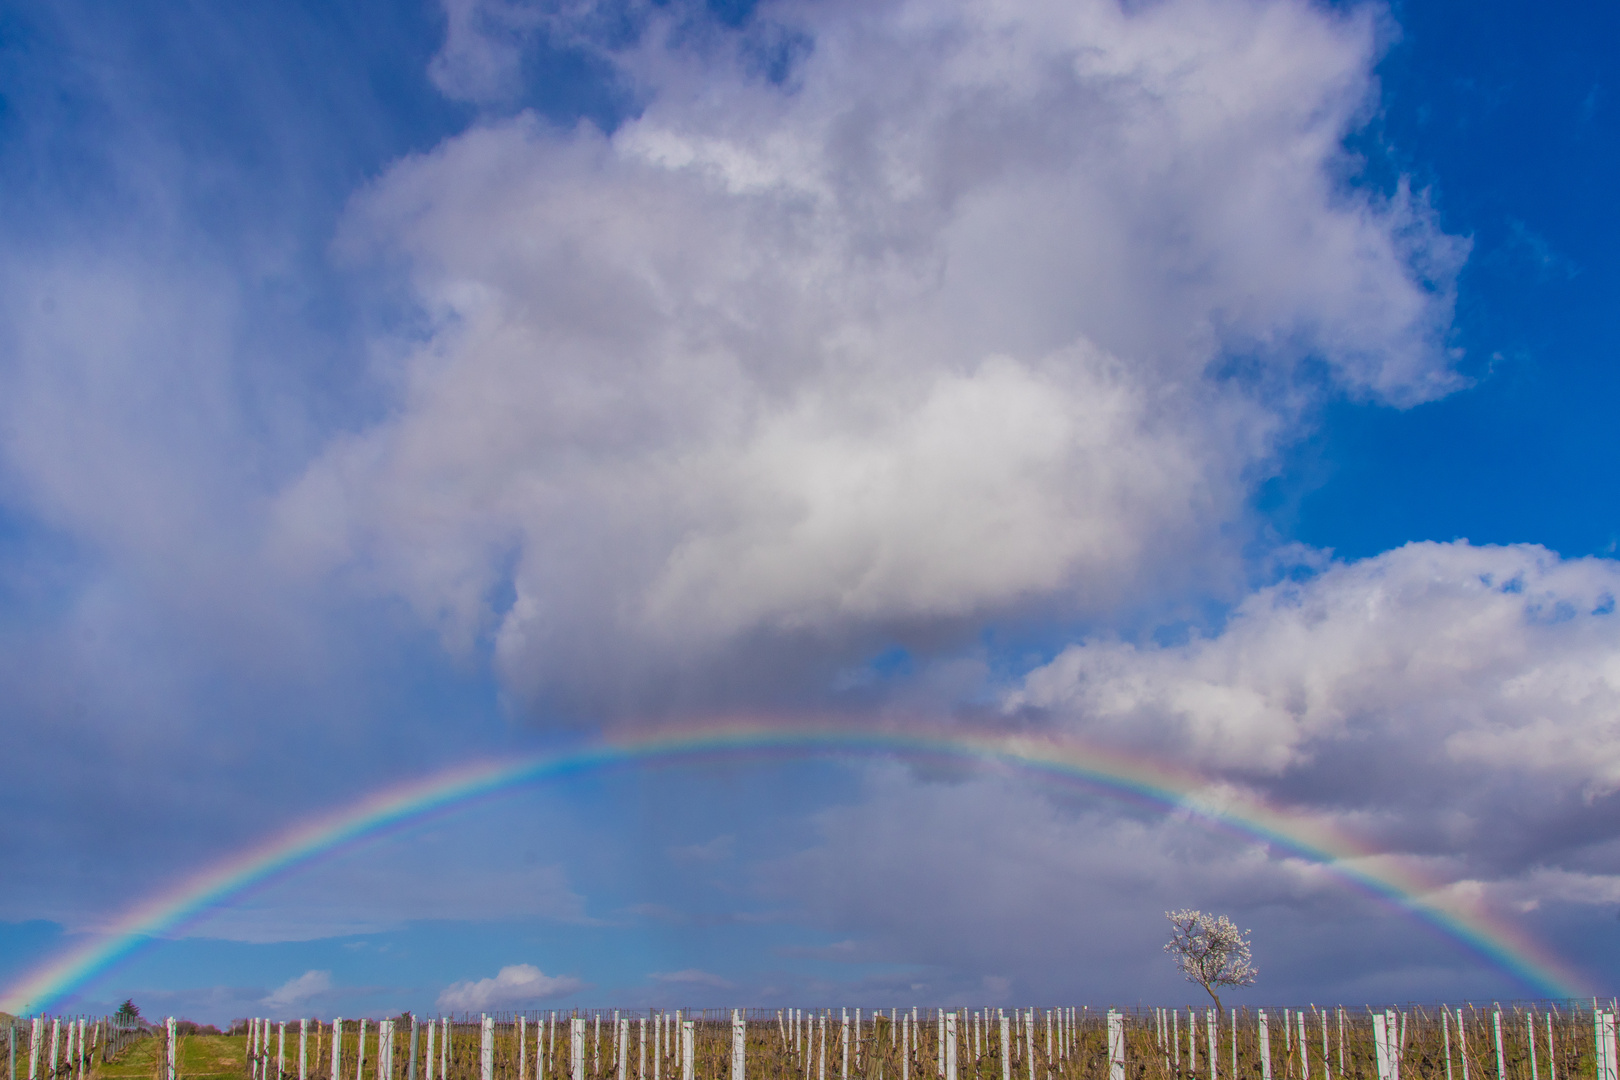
<point>925,335</point>
<point>512,985</point>
<point>1448,697</point>
<point>298,990</point>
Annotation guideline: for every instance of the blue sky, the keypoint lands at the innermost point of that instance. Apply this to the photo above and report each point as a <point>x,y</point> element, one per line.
<point>388,386</point>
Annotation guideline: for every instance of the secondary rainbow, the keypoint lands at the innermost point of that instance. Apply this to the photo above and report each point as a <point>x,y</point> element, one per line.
<point>1500,943</point>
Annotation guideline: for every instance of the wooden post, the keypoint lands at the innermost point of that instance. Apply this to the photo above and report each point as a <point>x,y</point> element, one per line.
<point>1603,1038</point>
<point>843,1041</point>
<point>1116,1045</point>
<point>1212,1031</point>
<point>1029,1041</point>
<point>1496,1023</point>
<point>1445,1035</point>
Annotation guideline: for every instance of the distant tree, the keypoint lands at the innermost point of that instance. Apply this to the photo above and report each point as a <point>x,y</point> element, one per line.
<point>1210,950</point>
<point>128,1013</point>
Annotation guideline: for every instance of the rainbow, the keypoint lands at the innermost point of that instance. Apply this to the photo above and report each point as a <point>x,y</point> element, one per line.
<point>1498,942</point>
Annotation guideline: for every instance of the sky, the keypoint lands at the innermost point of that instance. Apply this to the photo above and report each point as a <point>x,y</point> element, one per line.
<point>386,387</point>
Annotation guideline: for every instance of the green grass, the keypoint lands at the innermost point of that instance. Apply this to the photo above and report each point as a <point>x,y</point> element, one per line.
<point>201,1057</point>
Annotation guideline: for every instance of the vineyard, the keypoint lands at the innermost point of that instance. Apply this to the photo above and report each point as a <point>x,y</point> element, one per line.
<point>1528,1041</point>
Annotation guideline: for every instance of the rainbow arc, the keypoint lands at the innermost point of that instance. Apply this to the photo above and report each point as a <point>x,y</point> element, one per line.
<point>1499,942</point>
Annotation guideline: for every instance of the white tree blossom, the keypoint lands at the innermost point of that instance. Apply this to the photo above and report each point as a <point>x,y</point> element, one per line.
<point>1210,950</point>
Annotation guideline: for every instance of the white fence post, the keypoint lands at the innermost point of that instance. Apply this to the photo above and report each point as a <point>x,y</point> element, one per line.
<point>1212,1028</point>
<point>576,1048</point>
<point>1116,1045</point>
<point>1530,1030</point>
<point>739,1037</point>
<point>486,1047</point>
<point>1603,1036</point>
<point>1501,1066</point>
<point>337,1045</point>
<point>303,1050</point>
<point>1006,1048</point>
<point>174,1043</point>
<point>843,1042</point>
<point>428,1051</point>
<point>688,1049</point>
<point>1265,1047</point>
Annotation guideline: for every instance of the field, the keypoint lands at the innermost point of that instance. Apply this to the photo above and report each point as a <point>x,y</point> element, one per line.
<point>1538,1042</point>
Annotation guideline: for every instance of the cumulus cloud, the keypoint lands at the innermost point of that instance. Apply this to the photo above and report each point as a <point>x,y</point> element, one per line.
<point>1445,698</point>
<point>932,329</point>
<point>512,985</point>
<point>298,990</point>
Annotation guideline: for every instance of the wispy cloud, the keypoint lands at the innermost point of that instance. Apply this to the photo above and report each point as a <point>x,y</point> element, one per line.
<point>298,990</point>
<point>512,985</point>
<point>717,850</point>
<point>690,977</point>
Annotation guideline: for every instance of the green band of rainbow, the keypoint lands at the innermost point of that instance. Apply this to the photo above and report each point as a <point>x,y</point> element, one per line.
<point>1499,942</point>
